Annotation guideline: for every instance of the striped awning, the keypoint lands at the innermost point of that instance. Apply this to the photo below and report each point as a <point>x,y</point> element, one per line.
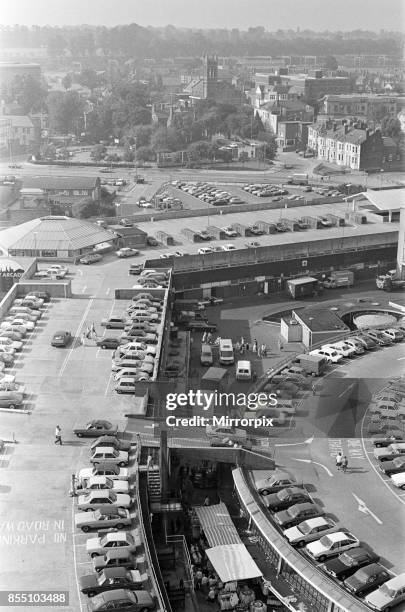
<point>217,525</point>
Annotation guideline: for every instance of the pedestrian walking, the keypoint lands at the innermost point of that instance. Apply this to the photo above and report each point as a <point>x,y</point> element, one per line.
<point>259,351</point>
<point>242,341</point>
<point>247,347</point>
<point>82,339</point>
<point>209,337</point>
<point>237,347</point>
<point>263,350</point>
<point>204,337</point>
<point>254,349</point>
<point>58,435</point>
<point>344,464</point>
<point>314,389</point>
<point>339,459</point>
<point>93,329</point>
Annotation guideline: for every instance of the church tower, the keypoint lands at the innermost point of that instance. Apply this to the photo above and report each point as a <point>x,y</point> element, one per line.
<point>210,76</point>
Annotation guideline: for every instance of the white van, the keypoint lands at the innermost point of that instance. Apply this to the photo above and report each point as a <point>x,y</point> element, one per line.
<point>243,370</point>
<point>226,354</point>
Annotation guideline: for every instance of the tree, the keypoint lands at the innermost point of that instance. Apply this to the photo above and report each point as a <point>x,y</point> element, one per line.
<point>142,134</point>
<point>88,78</point>
<point>98,152</point>
<point>47,151</point>
<point>65,109</point>
<point>391,126</point>
<point>330,63</point>
<point>201,150</point>
<point>27,92</point>
<point>67,81</point>
<point>144,154</point>
<point>270,147</point>
<point>166,139</point>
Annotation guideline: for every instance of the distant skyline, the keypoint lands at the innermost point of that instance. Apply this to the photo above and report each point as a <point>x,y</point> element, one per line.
<point>271,14</point>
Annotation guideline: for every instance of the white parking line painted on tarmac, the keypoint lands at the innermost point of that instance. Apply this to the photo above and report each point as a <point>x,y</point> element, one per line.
<point>327,470</point>
<point>108,384</point>
<point>365,509</point>
<point>84,288</point>
<point>108,291</point>
<point>76,335</point>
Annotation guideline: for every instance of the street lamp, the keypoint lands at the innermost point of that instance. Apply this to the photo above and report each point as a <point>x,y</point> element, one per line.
<point>35,243</point>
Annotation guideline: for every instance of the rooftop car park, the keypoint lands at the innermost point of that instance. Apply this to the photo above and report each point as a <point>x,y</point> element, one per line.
<point>67,374</point>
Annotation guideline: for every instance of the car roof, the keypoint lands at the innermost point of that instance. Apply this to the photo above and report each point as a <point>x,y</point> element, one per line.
<point>397,582</point>
<point>339,535</point>
<point>104,449</point>
<point>97,479</point>
<point>316,521</point>
<point>118,552</point>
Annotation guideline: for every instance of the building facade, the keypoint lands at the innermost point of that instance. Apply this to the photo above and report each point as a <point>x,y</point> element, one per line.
<point>345,145</point>
<point>359,105</point>
<point>210,87</point>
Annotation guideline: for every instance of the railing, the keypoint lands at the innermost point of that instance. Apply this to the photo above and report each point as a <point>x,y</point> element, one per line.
<point>163,601</point>
<point>180,539</point>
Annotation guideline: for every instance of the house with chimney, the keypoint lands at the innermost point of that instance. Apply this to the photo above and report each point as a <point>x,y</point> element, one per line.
<point>351,145</point>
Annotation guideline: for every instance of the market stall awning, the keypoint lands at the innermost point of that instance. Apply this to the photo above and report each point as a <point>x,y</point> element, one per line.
<point>217,525</point>
<point>233,562</point>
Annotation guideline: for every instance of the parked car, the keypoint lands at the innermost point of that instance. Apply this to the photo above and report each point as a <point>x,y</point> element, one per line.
<point>395,466</point>
<point>368,342</point>
<point>127,252</point>
<point>99,499</point>
<point>22,321</point>
<point>115,558</point>
<point>385,439</point>
<point>285,498</point>
<point>103,483</point>
<point>205,250</point>
<point>342,348</point>
<point>114,322</point>
<point>90,258</point>
<point>355,344</point>
<point>274,483</point>
<point>229,231</point>
<point>331,355</point>
<point>6,358</point>
<point>111,441</point>
<point>108,454</point>
<point>96,428</point>
<point>349,562</point>
<point>389,595</point>
<point>122,599</point>
<point>109,579</point>
<point>309,530</point>
<point>119,539</point>
<point>11,344</point>
<point>379,337</point>
<point>108,342</point>
<point>296,514</point>
<point>103,518</point>
<point>331,545</point>
<point>61,338</point>
<point>11,399</point>
<point>395,335</point>
<point>112,471</point>
<point>126,222</point>
<point>367,579</point>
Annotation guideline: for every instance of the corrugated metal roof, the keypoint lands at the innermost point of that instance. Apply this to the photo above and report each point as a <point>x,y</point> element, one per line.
<point>217,525</point>
<point>233,562</point>
<point>54,233</point>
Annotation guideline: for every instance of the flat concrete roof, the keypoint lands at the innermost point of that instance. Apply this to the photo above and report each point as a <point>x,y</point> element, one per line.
<point>385,200</point>
<point>320,319</point>
<point>249,217</point>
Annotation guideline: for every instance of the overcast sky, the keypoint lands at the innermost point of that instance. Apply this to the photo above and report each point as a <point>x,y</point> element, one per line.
<point>272,14</point>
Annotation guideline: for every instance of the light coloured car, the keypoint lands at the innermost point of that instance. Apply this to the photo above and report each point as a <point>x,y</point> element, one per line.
<point>114,472</point>
<point>394,334</point>
<point>389,595</point>
<point>7,349</point>
<point>204,250</point>
<point>107,454</point>
<point>141,346</point>
<point>127,252</point>
<point>118,518</point>
<point>12,386</point>
<point>342,348</point>
<point>12,326</point>
<point>99,499</point>
<point>101,483</point>
<point>356,345</point>
<point>29,325</point>
<point>126,384</point>
<point>125,373</point>
<point>119,539</point>
<point>126,363</point>
<point>331,545</point>
<point>331,355</point>
<point>31,315</point>
<point>229,231</point>
<point>14,344</point>
<point>6,378</point>
<point>228,247</point>
<point>398,480</point>
<point>310,530</point>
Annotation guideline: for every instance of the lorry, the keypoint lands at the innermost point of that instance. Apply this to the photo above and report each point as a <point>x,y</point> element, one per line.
<point>339,278</point>
<point>303,287</point>
<point>312,364</point>
<point>298,179</point>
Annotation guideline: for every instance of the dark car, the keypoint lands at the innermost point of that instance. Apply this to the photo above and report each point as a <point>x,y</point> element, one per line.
<point>122,600</point>
<point>111,441</point>
<point>151,241</point>
<point>378,337</point>
<point>96,428</point>
<point>256,231</point>
<point>393,467</point>
<point>367,579</point>
<point>387,438</point>
<point>135,269</point>
<point>108,580</point>
<point>115,557</point>
<point>302,224</point>
<point>368,342</point>
<point>108,343</point>
<point>285,498</point>
<point>280,227</point>
<point>348,562</point>
<point>296,514</point>
<point>203,326</point>
<point>61,338</point>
